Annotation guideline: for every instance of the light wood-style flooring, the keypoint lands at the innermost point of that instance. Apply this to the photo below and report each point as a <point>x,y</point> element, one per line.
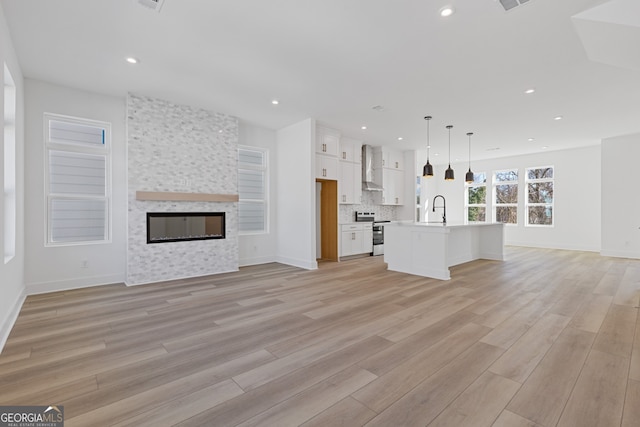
<point>546,338</point>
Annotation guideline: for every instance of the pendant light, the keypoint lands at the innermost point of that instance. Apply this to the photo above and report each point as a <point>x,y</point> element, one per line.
<point>469,176</point>
<point>448,174</point>
<point>427,170</point>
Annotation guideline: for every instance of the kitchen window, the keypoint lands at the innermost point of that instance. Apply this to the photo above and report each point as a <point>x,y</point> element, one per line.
<point>505,190</point>
<point>78,180</point>
<point>252,190</point>
<point>476,199</point>
<point>539,201</point>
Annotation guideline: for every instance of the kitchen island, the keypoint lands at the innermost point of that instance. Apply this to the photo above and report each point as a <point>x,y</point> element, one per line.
<point>428,250</point>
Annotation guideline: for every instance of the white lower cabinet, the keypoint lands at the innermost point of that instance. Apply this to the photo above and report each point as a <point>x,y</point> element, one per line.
<point>356,239</point>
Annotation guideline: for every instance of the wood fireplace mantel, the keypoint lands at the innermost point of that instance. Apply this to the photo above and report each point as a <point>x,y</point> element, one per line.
<point>168,196</point>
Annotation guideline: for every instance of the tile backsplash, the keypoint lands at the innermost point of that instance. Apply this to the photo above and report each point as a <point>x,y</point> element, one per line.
<point>346,213</point>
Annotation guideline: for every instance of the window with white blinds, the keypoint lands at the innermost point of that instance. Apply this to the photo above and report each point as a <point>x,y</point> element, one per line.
<point>78,180</point>
<point>252,190</point>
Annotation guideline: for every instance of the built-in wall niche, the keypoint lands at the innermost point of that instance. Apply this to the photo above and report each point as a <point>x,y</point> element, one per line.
<point>164,227</point>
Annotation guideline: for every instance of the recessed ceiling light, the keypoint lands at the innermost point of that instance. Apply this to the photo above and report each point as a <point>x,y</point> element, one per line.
<point>437,154</point>
<point>132,60</point>
<point>557,118</point>
<point>544,147</point>
<point>400,138</point>
<point>447,11</point>
<point>275,102</point>
<point>363,128</point>
<point>530,139</point>
<point>528,91</point>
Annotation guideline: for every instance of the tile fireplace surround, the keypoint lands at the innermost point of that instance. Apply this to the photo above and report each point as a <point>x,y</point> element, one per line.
<point>178,157</point>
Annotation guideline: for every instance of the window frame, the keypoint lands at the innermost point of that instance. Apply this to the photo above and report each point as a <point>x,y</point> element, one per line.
<point>467,205</point>
<point>496,204</point>
<point>264,168</point>
<point>527,204</point>
<point>10,207</point>
<point>78,148</point>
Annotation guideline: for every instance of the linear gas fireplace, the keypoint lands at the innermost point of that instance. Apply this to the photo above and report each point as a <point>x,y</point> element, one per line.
<point>165,227</point>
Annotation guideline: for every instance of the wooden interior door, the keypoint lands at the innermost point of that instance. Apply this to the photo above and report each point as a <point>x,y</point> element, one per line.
<point>329,220</point>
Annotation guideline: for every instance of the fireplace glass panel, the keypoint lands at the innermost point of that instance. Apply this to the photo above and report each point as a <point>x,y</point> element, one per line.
<point>184,226</point>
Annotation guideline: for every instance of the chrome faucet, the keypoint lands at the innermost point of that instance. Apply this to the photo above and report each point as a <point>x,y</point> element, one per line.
<point>444,208</point>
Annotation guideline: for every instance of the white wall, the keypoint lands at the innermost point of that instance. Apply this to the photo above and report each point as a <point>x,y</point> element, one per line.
<point>261,248</point>
<point>295,205</point>
<point>577,194</point>
<point>56,268</point>
<point>620,200</point>
<point>12,288</point>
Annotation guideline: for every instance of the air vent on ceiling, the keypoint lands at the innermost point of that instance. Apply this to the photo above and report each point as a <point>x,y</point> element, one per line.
<point>152,4</point>
<point>510,4</point>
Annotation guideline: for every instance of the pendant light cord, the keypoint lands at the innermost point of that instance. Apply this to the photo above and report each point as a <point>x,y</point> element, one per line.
<point>428,119</point>
<point>469,134</point>
<point>449,127</point>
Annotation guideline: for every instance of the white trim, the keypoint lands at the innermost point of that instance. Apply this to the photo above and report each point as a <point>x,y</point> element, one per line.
<point>558,247</point>
<point>494,194</point>
<point>70,284</point>
<point>307,265</point>
<point>105,151</point>
<point>76,283</point>
<point>10,319</point>
<point>468,186</point>
<point>264,168</point>
<point>621,254</point>
<point>179,278</point>
<point>256,261</point>
<point>528,181</point>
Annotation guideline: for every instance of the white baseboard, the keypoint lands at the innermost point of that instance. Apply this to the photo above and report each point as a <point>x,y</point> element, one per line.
<point>581,248</point>
<point>178,278</point>
<point>301,263</point>
<point>620,254</point>
<point>10,319</point>
<point>257,260</point>
<point>68,284</point>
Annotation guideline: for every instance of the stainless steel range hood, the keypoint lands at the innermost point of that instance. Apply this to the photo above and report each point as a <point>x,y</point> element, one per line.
<point>367,170</point>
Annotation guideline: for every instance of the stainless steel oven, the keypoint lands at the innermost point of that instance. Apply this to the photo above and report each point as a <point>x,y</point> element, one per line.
<point>378,230</point>
<point>378,237</point>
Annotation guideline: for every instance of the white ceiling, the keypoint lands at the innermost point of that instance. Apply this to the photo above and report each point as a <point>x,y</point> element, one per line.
<point>334,60</point>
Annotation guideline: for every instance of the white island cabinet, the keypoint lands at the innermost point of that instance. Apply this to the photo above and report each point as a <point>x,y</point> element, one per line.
<point>430,249</point>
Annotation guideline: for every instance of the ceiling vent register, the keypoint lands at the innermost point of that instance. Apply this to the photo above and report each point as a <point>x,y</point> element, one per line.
<point>510,4</point>
<point>152,4</point>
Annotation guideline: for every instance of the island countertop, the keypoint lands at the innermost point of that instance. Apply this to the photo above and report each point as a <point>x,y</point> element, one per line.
<point>429,249</point>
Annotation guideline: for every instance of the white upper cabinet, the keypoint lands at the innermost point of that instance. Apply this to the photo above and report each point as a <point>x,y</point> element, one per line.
<point>388,172</point>
<point>350,171</point>
<point>350,150</point>
<point>327,153</point>
<point>326,167</point>
<point>327,141</point>
<point>391,159</point>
